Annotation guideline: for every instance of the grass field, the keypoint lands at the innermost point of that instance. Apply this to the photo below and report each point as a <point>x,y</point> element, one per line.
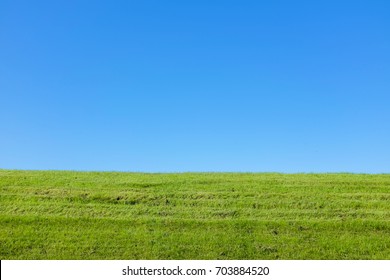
<point>112,215</point>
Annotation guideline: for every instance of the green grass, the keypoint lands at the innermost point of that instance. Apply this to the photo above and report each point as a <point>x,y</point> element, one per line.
<point>113,215</point>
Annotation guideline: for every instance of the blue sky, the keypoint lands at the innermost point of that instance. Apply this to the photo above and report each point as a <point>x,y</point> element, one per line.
<point>174,86</point>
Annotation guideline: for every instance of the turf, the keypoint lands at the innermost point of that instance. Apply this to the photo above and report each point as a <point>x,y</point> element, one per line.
<point>117,215</point>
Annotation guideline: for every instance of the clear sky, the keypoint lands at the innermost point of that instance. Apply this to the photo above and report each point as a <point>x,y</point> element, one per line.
<point>165,86</point>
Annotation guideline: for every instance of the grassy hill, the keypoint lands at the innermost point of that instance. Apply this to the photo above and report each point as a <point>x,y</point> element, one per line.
<point>112,215</point>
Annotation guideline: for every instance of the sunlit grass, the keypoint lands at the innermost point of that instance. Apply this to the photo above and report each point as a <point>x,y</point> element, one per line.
<point>112,215</point>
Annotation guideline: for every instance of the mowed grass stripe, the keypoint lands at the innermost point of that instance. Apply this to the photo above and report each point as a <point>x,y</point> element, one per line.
<point>115,215</point>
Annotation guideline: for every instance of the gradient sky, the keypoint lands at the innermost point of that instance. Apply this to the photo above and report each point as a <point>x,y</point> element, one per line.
<point>165,86</point>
